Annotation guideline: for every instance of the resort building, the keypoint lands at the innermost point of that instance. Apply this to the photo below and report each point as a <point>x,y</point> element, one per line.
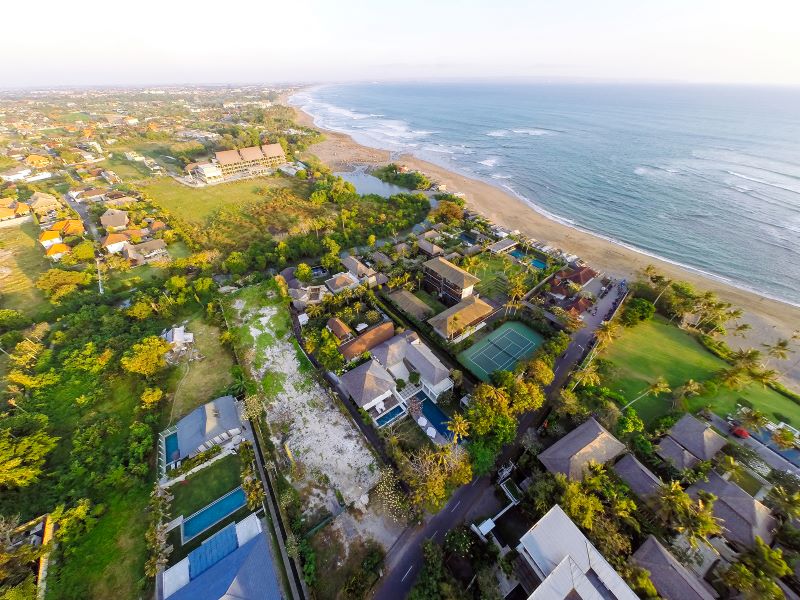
<point>588,443</point>
<point>689,442</point>
<point>254,159</point>
<point>562,564</point>
<point>429,249</point>
<point>233,563</point>
<point>451,283</point>
<point>342,281</point>
<point>216,423</point>
<point>671,579</point>
<point>367,340</point>
<point>742,517</point>
<point>462,320</point>
<point>642,481</point>
<point>503,246</point>
<point>400,368</point>
<point>208,173</point>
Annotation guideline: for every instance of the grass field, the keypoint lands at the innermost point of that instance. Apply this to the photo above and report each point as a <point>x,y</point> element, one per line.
<point>656,348</point>
<point>205,486</point>
<point>22,260</point>
<point>197,204</point>
<point>197,382</point>
<point>493,282</point>
<point>430,300</point>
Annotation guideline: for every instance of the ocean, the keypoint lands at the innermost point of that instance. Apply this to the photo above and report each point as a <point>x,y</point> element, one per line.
<point>704,176</point>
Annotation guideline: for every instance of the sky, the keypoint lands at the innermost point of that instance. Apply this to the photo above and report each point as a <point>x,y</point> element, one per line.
<point>151,42</point>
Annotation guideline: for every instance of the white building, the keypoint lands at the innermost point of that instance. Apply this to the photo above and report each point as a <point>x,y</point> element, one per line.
<point>208,173</point>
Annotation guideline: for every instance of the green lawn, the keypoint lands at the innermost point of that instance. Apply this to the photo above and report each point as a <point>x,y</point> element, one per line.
<point>197,204</point>
<point>430,300</point>
<point>22,260</point>
<point>656,348</point>
<point>207,485</point>
<point>492,272</point>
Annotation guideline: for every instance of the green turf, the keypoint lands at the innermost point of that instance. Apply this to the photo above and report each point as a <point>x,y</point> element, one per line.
<point>475,359</point>
<point>492,271</point>
<point>205,486</point>
<point>22,260</point>
<point>656,348</point>
<point>431,301</point>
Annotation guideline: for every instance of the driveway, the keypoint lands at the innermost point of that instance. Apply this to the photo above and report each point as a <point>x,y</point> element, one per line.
<point>477,499</point>
<point>83,211</point>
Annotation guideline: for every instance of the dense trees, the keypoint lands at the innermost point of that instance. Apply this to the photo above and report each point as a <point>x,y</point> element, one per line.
<point>146,357</point>
<point>24,446</point>
<point>413,180</point>
<point>58,283</point>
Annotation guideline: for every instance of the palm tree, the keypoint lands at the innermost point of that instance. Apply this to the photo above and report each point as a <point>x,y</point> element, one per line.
<point>656,388</point>
<point>741,328</point>
<point>459,427</point>
<point>780,350</point>
<point>784,438</point>
<point>470,263</point>
<point>672,504</point>
<point>314,310</point>
<point>734,378</point>
<point>606,332</point>
<point>747,359</point>
<point>588,375</point>
<point>784,502</point>
<point>764,376</point>
<point>753,419</point>
<point>688,389</point>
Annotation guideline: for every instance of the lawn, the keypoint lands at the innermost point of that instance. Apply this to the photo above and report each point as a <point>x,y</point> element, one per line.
<point>656,348</point>
<point>199,381</point>
<point>430,300</point>
<point>492,271</point>
<point>197,204</point>
<point>205,486</point>
<point>128,170</point>
<point>22,260</point>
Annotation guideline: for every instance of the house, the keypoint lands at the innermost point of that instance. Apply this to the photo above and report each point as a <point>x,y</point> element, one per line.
<point>671,579</point>
<point>56,251</point>
<point>93,195</point>
<point>212,424</point>
<point>145,252</point>
<point>580,276</point>
<point>110,177</point>
<point>11,209</point>
<point>588,443</point>
<point>114,219</point>
<point>743,518</point>
<point>503,246</point>
<point>37,161</point>
<point>411,305</point>
<point>43,204</point>
<point>18,173</point>
<point>114,242</point>
<point>208,173</point>
<point>50,238</point>
<point>382,260</point>
<point>405,354</point>
<point>578,306</point>
<point>451,283</point>
<point>180,341</point>
<point>373,388</point>
<point>364,274</point>
<point>639,478</point>
<point>339,329</point>
<point>688,442</point>
<point>462,320</point>
<point>7,213</point>
<point>367,340</point>
<point>342,281</point>
<point>429,249</point>
<point>68,227</point>
<point>305,296</point>
<point>401,249</point>
<point>557,562</point>
<point>233,563</point>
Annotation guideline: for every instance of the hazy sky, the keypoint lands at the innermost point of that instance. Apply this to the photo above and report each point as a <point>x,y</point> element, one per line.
<point>149,42</point>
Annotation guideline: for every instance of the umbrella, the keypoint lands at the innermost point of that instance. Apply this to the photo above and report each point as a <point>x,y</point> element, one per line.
<point>422,421</point>
<point>431,432</point>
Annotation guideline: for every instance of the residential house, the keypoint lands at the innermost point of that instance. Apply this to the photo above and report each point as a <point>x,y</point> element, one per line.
<point>364,274</point>
<point>382,260</point>
<point>743,518</point>
<point>145,252</point>
<point>429,249</point>
<point>114,219</point>
<point>50,238</point>
<point>639,478</point>
<point>401,249</point>
<point>671,579</point>
<point>342,281</point>
<point>42,204</point>
<point>93,195</point>
<point>373,388</point>
<point>233,563</point>
<point>577,278</point>
<point>114,242</point>
<point>37,161</point>
<point>462,320</point>
<point>305,296</point>
<point>451,283</point>
<point>557,562</point>
<point>588,443</point>
<point>367,340</point>
<point>11,209</point>
<point>339,329</point>
<point>503,246</point>
<point>688,442</point>
<point>411,305</point>
<point>56,251</point>
<point>68,227</point>
<point>17,173</point>
<point>214,423</point>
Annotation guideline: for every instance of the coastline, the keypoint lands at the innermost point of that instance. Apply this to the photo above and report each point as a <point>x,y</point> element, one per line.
<point>770,319</point>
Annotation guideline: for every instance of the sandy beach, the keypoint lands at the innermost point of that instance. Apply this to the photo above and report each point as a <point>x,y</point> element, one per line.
<point>769,319</point>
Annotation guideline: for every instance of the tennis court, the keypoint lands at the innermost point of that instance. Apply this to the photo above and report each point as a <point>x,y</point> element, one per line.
<point>500,350</point>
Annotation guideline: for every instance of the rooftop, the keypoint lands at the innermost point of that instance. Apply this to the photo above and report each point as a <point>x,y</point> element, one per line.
<point>456,318</point>
<point>447,270</point>
<point>673,581</point>
<point>367,340</point>
<point>587,443</point>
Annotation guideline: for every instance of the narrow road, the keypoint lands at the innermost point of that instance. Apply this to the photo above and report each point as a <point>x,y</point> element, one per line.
<point>83,211</point>
<point>404,560</point>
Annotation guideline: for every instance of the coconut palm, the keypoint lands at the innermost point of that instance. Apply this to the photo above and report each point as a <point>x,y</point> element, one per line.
<point>588,375</point>
<point>753,419</point>
<point>784,438</point>
<point>746,358</point>
<point>734,378</point>
<point>780,350</point>
<point>606,332</point>
<point>656,388</point>
<point>672,504</point>
<point>314,310</point>
<point>764,376</point>
<point>784,502</point>
<point>459,427</point>
<point>741,329</point>
<point>687,390</point>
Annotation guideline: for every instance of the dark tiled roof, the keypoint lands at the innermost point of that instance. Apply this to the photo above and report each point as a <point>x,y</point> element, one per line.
<point>672,580</point>
<point>697,437</point>
<point>589,442</point>
<point>367,340</point>
<point>639,478</point>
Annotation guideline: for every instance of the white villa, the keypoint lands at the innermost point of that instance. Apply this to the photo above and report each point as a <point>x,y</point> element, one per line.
<point>373,386</point>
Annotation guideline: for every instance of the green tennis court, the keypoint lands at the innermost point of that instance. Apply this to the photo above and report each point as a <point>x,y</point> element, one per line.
<point>500,350</point>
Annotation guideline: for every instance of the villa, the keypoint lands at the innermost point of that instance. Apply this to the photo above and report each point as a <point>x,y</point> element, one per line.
<point>367,340</point>
<point>363,273</point>
<point>689,442</point>
<point>642,481</point>
<point>503,246</point>
<point>451,283</point>
<point>114,220</point>
<point>342,281</point>
<point>339,329</point>
<point>145,252</point>
<point>383,386</point>
<point>588,443</point>
<point>429,249</point>
<point>462,320</point>
<point>562,564</point>
<point>671,579</point>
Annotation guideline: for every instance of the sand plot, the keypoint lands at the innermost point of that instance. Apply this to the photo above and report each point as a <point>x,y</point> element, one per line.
<point>328,449</point>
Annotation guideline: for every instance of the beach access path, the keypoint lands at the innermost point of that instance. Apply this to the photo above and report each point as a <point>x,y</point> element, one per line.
<point>477,499</point>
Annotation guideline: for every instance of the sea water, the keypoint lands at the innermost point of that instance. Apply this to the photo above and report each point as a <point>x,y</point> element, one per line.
<point>704,176</point>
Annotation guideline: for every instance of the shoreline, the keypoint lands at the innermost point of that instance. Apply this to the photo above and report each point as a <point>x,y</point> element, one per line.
<point>769,318</point>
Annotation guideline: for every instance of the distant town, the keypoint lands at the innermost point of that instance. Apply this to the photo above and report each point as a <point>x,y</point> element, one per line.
<point>229,373</point>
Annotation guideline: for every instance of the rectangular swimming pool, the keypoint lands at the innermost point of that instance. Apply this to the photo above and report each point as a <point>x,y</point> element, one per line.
<point>435,416</point>
<point>390,416</point>
<point>213,513</point>
<point>536,262</point>
<point>171,451</point>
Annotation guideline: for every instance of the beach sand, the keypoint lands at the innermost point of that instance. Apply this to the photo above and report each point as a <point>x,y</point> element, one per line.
<point>769,319</point>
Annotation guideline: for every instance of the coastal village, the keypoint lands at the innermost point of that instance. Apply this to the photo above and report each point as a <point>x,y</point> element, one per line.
<point>229,373</point>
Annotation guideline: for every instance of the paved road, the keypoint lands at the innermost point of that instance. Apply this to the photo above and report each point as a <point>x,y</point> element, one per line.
<point>404,559</point>
<point>83,211</point>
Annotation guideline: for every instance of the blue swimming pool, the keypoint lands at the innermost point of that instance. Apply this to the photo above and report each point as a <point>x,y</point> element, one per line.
<point>521,255</point>
<point>171,451</point>
<point>790,454</point>
<point>539,264</point>
<point>518,254</point>
<point>213,513</point>
<point>389,416</point>
<point>435,415</point>
<point>469,239</point>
